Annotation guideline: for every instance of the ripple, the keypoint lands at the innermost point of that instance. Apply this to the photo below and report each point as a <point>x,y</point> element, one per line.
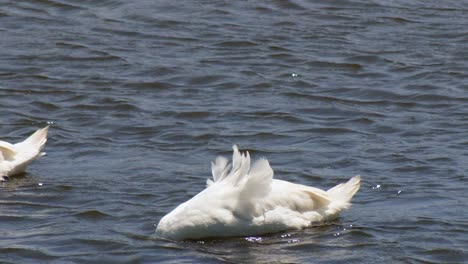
<point>335,65</point>
<point>236,44</point>
<point>26,253</point>
<point>441,255</point>
<point>91,214</point>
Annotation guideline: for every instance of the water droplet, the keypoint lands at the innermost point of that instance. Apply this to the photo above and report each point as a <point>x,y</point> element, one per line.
<point>377,187</point>
<point>253,239</point>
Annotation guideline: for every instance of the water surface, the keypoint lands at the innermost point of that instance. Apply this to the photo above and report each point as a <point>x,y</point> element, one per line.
<point>144,95</point>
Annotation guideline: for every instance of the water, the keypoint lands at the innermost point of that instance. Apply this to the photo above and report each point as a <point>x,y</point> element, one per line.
<point>143,95</point>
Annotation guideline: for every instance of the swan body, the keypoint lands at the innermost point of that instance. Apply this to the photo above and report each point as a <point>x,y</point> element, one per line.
<point>244,200</point>
<point>14,158</point>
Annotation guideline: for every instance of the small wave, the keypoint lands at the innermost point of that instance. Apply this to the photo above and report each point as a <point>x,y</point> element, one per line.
<point>335,65</point>
<point>92,214</point>
<point>26,253</point>
<point>441,255</point>
<point>236,44</point>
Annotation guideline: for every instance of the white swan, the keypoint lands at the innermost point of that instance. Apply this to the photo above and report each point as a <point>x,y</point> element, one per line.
<point>15,157</point>
<point>245,200</point>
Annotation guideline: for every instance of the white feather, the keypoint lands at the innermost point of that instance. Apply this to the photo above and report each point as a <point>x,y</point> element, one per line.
<point>14,158</point>
<point>248,201</point>
<point>220,168</point>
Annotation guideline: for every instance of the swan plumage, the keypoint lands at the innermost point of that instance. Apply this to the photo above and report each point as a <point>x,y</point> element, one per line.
<point>14,158</point>
<point>243,199</point>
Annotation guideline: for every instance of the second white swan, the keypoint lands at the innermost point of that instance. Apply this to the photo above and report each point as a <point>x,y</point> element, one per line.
<point>15,157</point>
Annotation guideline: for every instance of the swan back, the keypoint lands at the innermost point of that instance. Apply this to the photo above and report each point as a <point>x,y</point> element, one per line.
<point>228,199</point>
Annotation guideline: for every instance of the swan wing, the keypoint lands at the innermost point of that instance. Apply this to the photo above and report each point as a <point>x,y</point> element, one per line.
<point>220,168</point>
<point>7,150</point>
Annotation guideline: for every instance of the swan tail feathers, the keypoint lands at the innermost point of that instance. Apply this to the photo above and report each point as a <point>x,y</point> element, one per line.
<point>341,194</point>
<point>38,139</point>
<point>345,191</point>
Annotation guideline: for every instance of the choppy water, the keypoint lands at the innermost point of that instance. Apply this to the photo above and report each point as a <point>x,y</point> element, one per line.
<point>143,94</point>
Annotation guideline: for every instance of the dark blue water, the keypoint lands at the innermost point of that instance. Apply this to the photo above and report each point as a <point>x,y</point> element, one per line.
<point>144,94</point>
